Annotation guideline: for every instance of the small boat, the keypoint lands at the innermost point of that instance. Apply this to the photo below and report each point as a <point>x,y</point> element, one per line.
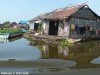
<point>4,35</point>
<point>15,34</point>
<point>10,35</point>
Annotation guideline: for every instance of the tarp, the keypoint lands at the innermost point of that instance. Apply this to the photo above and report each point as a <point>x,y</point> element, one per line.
<point>24,22</point>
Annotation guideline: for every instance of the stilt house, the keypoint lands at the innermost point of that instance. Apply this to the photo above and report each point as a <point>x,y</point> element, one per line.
<point>75,22</point>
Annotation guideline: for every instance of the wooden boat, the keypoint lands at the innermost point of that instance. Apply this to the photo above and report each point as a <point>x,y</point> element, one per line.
<point>10,35</point>
<point>4,35</point>
<point>15,34</point>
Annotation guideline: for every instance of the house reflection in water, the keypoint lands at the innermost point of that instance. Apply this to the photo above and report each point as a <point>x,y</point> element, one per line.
<point>86,49</point>
<point>82,53</point>
<point>54,51</point>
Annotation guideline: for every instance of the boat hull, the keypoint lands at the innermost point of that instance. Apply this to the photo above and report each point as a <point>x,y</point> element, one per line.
<point>15,34</point>
<point>10,35</point>
<point>4,35</point>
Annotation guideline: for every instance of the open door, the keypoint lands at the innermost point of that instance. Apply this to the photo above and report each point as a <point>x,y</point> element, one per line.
<point>53,27</point>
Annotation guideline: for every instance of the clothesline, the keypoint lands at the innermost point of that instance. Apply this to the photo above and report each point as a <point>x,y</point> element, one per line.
<point>83,29</point>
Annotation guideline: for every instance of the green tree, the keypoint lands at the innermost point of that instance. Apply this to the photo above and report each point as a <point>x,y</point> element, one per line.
<point>6,24</point>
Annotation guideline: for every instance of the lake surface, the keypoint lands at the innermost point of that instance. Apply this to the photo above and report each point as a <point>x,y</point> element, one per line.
<point>19,55</point>
<point>19,50</point>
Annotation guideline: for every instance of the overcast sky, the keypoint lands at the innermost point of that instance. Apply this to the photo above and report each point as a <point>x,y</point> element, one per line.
<point>17,10</point>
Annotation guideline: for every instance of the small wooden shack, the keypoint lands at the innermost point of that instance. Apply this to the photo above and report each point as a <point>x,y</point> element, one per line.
<point>75,22</point>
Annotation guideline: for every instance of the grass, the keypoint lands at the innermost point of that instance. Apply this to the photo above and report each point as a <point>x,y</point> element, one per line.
<point>65,43</point>
<point>9,30</point>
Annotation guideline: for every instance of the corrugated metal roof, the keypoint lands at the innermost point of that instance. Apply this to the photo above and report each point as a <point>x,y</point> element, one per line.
<point>64,13</point>
<point>60,13</point>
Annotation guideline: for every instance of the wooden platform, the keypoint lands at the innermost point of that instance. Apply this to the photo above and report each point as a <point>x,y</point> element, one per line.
<point>49,37</point>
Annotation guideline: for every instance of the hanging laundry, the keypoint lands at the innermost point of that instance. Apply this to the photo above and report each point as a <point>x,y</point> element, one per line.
<point>87,28</point>
<point>82,30</point>
<point>91,29</point>
<point>65,28</point>
<point>97,31</point>
<point>77,29</point>
<point>72,26</point>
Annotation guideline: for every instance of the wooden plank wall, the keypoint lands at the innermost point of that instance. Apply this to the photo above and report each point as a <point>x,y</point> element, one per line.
<point>85,17</point>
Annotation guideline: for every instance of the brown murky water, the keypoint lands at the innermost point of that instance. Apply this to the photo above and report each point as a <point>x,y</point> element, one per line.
<point>18,55</point>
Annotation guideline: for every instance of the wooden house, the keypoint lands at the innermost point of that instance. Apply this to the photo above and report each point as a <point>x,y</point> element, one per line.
<point>75,22</point>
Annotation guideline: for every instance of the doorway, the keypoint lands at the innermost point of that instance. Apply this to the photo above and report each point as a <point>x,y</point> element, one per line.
<point>53,27</point>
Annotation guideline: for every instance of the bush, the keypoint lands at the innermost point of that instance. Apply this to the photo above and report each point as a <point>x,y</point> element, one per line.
<point>9,30</point>
<point>65,43</point>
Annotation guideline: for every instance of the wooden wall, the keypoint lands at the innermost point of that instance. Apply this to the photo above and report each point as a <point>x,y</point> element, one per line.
<point>45,27</point>
<point>85,17</point>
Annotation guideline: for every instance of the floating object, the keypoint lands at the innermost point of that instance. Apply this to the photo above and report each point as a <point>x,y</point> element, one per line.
<point>10,35</point>
<point>4,35</point>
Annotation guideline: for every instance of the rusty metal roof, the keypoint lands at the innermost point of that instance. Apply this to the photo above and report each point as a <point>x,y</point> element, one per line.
<point>60,13</point>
